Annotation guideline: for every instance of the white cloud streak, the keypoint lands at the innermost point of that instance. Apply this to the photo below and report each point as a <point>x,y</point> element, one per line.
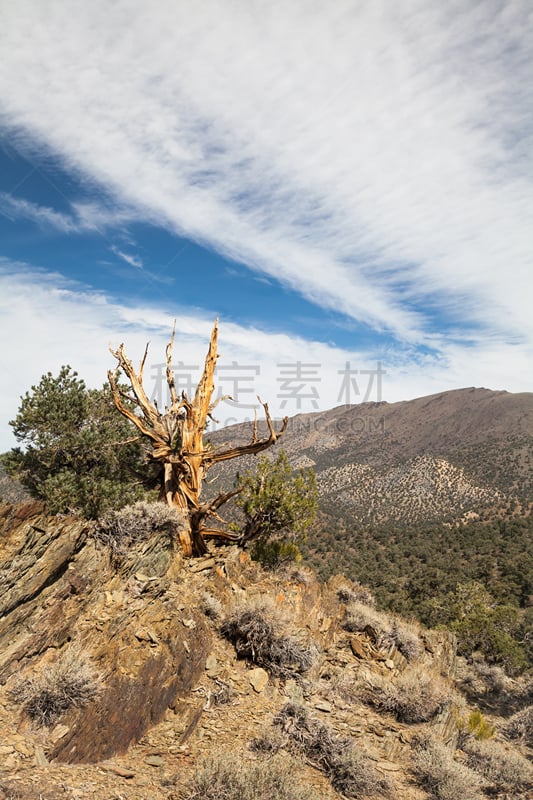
<point>372,156</point>
<point>81,217</point>
<point>15,208</point>
<point>55,321</point>
<point>133,261</point>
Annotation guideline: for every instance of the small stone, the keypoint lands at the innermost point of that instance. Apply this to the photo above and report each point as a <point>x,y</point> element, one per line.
<point>323,705</point>
<point>357,648</point>
<point>58,732</point>
<point>389,766</point>
<point>212,666</point>
<point>155,761</point>
<point>121,771</point>
<point>258,679</point>
<point>389,664</point>
<point>199,566</point>
<point>189,623</point>
<point>293,692</point>
<point>23,747</point>
<point>40,758</point>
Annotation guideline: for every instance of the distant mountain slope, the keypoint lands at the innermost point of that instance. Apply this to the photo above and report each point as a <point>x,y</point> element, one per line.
<point>446,457</point>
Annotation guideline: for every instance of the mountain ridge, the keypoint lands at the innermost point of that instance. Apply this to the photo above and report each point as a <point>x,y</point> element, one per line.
<point>485,436</point>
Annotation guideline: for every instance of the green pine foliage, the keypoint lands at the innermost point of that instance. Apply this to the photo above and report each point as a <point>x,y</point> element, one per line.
<point>276,502</point>
<point>77,453</point>
<point>416,571</point>
<point>481,625</point>
<point>275,553</point>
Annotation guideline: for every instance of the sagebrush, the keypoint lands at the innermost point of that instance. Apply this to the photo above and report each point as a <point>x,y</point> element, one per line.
<point>442,776</point>
<point>520,726</point>
<point>416,695</point>
<point>69,683</point>
<point>349,769</point>
<point>257,636</point>
<point>506,769</point>
<point>229,777</point>
<point>137,523</point>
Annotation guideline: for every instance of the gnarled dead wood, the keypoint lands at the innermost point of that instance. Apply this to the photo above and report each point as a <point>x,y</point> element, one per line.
<point>176,436</point>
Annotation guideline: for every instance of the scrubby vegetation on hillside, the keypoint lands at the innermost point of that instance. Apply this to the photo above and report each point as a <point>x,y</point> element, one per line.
<point>420,571</point>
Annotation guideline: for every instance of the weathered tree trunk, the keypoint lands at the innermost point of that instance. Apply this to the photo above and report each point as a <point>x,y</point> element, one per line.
<point>177,442</point>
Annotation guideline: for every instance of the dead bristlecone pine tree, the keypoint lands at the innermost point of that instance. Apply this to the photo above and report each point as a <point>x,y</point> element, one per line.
<point>176,440</point>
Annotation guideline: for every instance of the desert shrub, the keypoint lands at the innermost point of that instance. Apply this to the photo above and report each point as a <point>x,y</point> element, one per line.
<point>228,777</point>
<point>483,625</point>
<point>356,594</point>
<point>360,617</point>
<point>136,523</point>
<point>442,776</point>
<point>406,640</point>
<point>478,678</point>
<point>506,769</point>
<point>520,726</point>
<point>350,771</point>
<point>69,683</point>
<point>416,695</point>
<point>256,635</point>
<point>273,553</point>
<point>383,630</point>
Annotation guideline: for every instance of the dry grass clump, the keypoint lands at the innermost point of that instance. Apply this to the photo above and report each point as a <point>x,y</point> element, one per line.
<point>416,695</point>
<point>360,617</point>
<point>350,771</point>
<point>69,683</point>
<point>228,777</point>
<point>478,679</point>
<point>136,523</point>
<point>356,594</point>
<point>256,635</point>
<point>506,769</point>
<point>406,639</point>
<point>442,776</point>
<point>520,726</point>
<point>383,630</point>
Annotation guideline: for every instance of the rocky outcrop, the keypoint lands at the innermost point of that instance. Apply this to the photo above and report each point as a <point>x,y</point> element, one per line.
<point>141,634</point>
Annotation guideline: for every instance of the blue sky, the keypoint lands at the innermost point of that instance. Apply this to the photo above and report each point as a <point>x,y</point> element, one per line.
<point>345,183</point>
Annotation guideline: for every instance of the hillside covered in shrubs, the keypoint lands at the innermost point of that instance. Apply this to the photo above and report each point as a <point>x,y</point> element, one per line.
<point>128,670</point>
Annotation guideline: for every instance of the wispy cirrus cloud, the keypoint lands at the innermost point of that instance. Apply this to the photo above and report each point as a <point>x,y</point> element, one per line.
<point>370,156</point>
<point>129,258</point>
<point>82,217</point>
<point>15,208</point>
